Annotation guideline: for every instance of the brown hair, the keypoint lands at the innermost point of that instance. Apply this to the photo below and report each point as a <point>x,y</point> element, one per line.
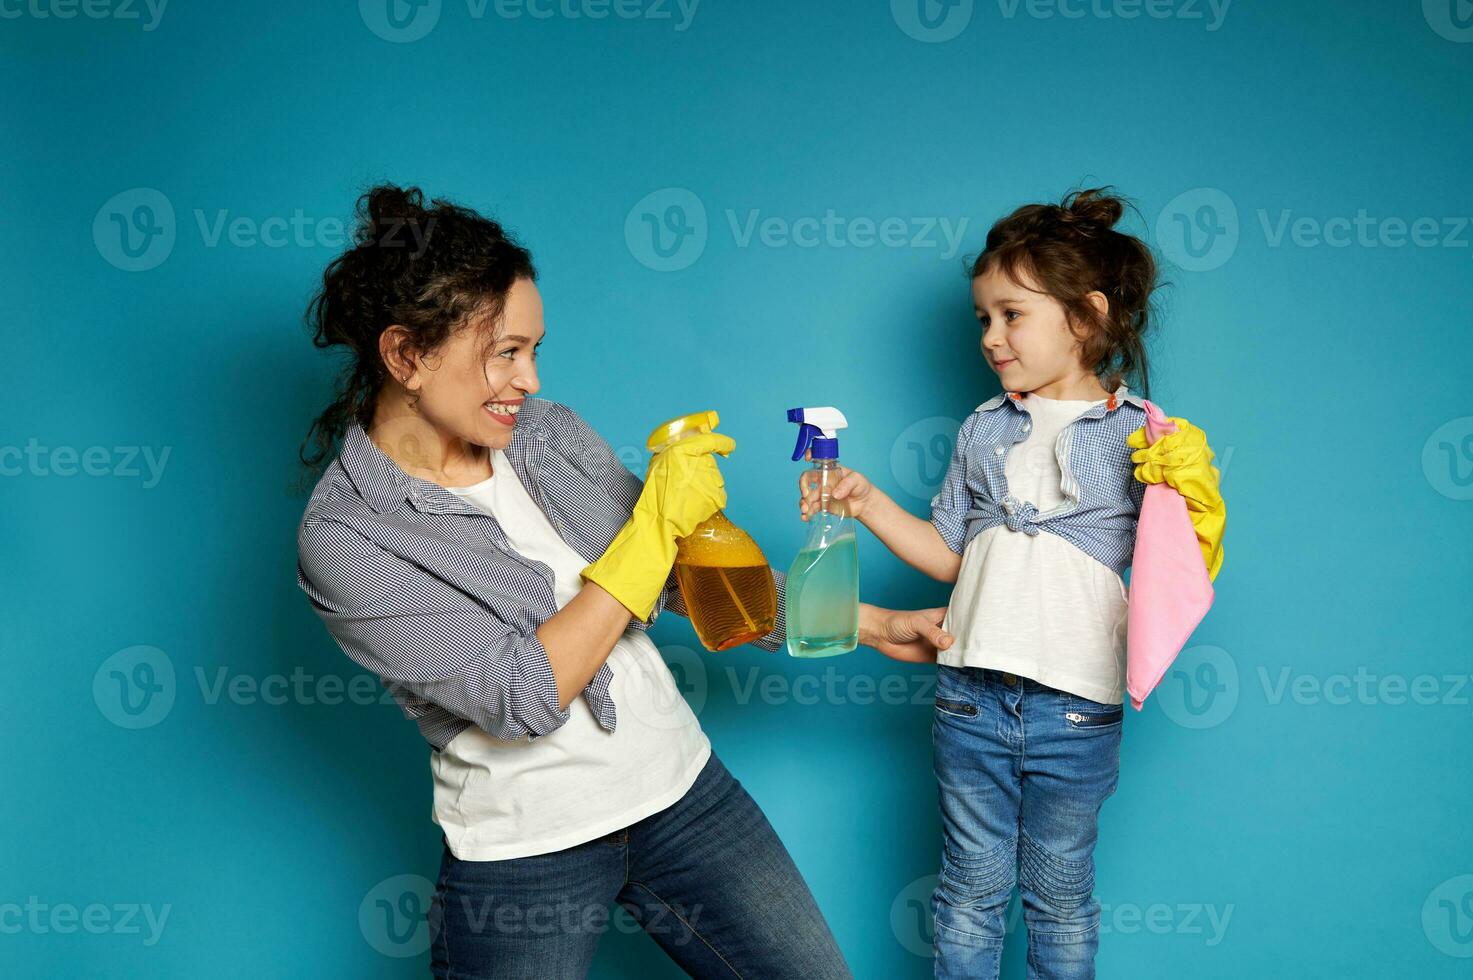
<point>1071,249</point>
<point>426,268</point>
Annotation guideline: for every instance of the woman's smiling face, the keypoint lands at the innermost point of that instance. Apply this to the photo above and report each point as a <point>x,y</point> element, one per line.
<point>473,385</point>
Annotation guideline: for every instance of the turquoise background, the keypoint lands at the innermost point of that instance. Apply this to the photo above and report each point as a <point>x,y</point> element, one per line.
<point>1329,832</point>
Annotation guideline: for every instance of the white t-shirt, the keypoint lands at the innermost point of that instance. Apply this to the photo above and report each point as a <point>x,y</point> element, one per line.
<point>497,799</point>
<point>1035,605</point>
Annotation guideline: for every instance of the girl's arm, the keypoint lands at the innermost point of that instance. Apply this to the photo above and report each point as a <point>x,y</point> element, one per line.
<point>933,547</point>
<point>914,540</point>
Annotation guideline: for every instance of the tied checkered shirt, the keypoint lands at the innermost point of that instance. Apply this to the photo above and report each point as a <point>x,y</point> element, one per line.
<point>1102,498</point>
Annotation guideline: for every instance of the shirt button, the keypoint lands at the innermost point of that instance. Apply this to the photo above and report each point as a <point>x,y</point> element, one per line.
<point>998,450</point>
<point>1027,426</point>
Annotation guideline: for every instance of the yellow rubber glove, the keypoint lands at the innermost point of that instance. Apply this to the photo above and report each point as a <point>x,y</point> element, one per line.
<point>1183,460</point>
<point>682,487</point>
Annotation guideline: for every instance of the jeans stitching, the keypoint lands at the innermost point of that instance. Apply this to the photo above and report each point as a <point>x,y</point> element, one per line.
<point>440,939</point>
<point>688,925</point>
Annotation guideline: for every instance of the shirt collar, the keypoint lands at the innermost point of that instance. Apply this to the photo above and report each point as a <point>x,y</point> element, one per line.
<point>1120,396</point>
<point>385,487</point>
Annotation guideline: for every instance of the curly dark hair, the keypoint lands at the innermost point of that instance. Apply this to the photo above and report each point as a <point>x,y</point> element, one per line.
<point>1071,249</point>
<point>427,269</point>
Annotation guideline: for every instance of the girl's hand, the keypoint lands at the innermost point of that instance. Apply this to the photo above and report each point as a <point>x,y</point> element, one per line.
<point>912,636</point>
<point>853,489</point>
<point>1183,461</point>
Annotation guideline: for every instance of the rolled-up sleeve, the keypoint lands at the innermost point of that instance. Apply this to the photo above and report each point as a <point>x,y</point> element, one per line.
<point>420,634</point>
<point>950,506</point>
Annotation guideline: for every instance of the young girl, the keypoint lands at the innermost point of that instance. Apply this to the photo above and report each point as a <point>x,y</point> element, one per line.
<point>1035,523</point>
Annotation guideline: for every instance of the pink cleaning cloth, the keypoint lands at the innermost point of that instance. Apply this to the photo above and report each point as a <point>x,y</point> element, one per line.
<point>1170,590</point>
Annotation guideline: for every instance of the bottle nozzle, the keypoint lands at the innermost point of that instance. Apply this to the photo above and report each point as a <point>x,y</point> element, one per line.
<point>819,430</point>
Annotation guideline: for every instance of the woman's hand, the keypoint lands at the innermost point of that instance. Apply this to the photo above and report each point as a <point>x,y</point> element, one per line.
<point>682,488</point>
<point>912,636</point>
<point>853,489</point>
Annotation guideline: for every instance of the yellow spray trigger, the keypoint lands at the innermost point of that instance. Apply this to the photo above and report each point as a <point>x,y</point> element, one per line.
<point>678,428</point>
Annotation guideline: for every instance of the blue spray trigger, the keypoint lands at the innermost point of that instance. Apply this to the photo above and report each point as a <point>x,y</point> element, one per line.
<point>820,434</point>
<point>806,435</point>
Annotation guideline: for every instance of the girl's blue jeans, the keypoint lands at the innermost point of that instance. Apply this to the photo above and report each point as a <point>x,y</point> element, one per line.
<point>1022,771</point>
<point>707,878</point>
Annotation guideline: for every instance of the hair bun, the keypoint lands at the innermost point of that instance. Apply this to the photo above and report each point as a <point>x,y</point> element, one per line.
<point>1095,209</point>
<point>392,201</point>
<point>388,210</point>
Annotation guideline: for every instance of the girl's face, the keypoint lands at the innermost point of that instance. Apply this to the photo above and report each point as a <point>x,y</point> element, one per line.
<point>470,389</point>
<point>1026,334</point>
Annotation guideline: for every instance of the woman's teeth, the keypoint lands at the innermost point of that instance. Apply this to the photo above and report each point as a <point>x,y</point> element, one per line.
<point>503,409</point>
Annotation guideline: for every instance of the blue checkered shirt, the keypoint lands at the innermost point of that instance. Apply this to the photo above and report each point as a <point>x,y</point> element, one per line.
<point>423,588</point>
<point>1102,498</point>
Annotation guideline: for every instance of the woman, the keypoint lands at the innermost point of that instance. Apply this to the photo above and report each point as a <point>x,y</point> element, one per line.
<point>487,555</point>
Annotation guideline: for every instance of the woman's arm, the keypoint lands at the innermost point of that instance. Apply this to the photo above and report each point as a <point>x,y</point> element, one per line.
<point>913,636</point>
<point>421,634</point>
<point>580,637</point>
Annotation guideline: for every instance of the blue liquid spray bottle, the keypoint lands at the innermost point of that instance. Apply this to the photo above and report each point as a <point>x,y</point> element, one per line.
<point>822,590</point>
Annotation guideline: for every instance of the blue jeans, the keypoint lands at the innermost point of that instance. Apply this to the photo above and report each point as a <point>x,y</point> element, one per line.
<point>707,878</point>
<point>1022,771</point>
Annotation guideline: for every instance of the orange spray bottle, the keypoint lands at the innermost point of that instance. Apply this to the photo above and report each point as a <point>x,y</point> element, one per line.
<point>723,576</point>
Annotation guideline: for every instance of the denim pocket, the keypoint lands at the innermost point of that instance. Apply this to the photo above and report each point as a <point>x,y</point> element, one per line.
<point>1093,715</point>
<point>950,706</point>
